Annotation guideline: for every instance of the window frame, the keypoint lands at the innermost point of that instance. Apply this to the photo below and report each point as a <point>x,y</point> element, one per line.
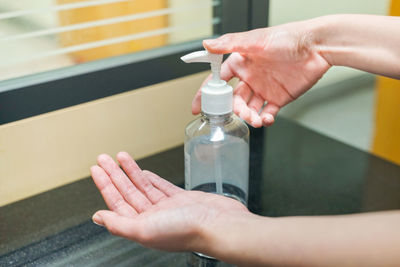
<point>48,91</point>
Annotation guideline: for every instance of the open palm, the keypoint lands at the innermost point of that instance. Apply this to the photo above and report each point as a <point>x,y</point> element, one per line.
<point>274,66</point>
<point>148,209</point>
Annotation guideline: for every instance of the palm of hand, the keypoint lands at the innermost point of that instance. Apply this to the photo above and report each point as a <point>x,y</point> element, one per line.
<point>174,223</point>
<point>148,209</point>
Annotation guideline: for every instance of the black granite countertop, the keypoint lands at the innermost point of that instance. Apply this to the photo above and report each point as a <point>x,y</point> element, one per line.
<point>293,171</point>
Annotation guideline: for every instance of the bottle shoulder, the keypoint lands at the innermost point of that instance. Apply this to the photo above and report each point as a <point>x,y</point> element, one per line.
<point>241,124</point>
<point>194,126</point>
<point>202,126</point>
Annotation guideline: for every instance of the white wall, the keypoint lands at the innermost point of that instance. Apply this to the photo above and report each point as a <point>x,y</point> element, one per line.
<point>40,20</point>
<point>283,11</point>
<point>178,19</point>
<point>345,112</point>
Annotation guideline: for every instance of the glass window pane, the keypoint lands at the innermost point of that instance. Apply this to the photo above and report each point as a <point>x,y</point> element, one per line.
<point>49,34</point>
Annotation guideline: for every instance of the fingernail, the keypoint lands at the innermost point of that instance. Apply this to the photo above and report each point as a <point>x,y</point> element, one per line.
<point>97,220</point>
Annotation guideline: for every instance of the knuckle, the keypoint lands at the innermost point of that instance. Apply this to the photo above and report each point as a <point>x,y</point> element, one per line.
<point>147,187</point>
<point>158,198</point>
<point>226,37</point>
<point>131,190</point>
<point>146,173</point>
<point>145,205</point>
<point>252,105</point>
<point>145,184</point>
<point>117,204</point>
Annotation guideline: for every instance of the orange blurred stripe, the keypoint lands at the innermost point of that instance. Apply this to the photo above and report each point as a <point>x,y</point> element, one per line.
<point>105,11</point>
<point>387,114</point>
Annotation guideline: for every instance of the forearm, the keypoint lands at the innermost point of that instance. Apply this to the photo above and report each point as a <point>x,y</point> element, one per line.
<point>370,239</point>
<point>366,42</point>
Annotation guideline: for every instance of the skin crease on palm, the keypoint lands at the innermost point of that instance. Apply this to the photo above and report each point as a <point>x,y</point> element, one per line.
<point>147,209</point>
<point>275,68</point>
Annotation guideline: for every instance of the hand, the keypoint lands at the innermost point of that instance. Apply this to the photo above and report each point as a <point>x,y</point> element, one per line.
<point>274,65</point>
<point>148,209</point>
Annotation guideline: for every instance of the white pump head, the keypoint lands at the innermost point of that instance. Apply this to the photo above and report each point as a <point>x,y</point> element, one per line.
<point>216,95</point>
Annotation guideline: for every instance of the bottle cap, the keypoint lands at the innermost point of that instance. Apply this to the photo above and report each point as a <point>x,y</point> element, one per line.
<point>216,94</point>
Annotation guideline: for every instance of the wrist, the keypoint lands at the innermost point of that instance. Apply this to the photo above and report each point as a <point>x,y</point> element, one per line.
<point>323,33</point>
<point>341,39</point>
<point>231,237</point>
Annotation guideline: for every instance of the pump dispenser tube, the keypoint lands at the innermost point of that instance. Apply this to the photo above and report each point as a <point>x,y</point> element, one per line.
<point>218,172</point>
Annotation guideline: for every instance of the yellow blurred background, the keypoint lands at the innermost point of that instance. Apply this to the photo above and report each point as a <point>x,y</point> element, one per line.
<point>106,11</point>
<point>386,142</point>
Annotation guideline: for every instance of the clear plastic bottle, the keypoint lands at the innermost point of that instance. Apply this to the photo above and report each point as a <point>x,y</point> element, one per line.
<point>217,155</point>
<point>217,143</point>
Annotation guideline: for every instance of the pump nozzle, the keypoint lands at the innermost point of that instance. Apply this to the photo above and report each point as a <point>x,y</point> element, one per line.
<point>216,95</point>
<point>204,56</point>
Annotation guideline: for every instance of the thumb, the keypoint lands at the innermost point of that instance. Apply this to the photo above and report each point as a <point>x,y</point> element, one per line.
<point>242,42</point>
<point>116,224</point>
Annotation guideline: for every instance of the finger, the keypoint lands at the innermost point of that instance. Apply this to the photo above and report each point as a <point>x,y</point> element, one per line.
<point>139,178</point>
<point>242,110</point>
<point>255,103</point>
<point>242,95</point>
<point>118,225</point>
<point>196,103</point>
<point>256,120</point>
<point>163,185</point>
<point>128,190</point>
<point>243,90</point>
<point>243,42</point>
<point>227,73</point>
<point>268,114</point>
<point>111,195</point>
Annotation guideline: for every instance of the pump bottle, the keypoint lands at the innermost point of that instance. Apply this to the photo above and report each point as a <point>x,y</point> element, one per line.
<point>216,143</point>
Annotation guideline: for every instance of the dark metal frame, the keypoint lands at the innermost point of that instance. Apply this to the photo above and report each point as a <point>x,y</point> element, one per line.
<point>44,92</point>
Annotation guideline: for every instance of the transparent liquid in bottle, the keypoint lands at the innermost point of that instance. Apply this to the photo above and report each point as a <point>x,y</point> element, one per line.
<point>222,164</point>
